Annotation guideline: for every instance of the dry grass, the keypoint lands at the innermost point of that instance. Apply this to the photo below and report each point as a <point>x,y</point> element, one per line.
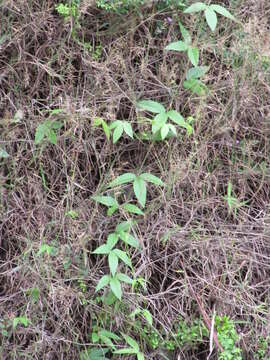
<point>226,259</point>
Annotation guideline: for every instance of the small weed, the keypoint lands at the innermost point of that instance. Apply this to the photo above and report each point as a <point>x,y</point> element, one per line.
<point>233,203</point>
<point>159,123</point>
<point>20,320</point>
<point>46,131</point>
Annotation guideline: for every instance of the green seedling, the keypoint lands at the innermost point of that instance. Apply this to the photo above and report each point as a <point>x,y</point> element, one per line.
<point>122,232</point>
<point>114,255</point>
<point>115,283</point>
<point>139,184</point>
<point>210,13</point>
<point>233,203</point>
<point>193,81</point>
<point>113,205</point>
<point>48,249</point>
<point>186,46</point>
<point>34,293</point>
<point>20,320</point>
<point>73,214</point>
<point>119,127</point>
<point>160,122</point>
<point>46,131</point>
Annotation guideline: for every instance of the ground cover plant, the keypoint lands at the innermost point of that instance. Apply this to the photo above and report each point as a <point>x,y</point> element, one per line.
<point>134,179</point>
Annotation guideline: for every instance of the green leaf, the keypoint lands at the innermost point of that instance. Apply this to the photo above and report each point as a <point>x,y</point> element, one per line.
<point>95,337</point>
<point>125,351</point>
<point>185,34</point>
<point>193,55</point>
<point>164,131</point>
<point>122,179</point>
<point>105,200</point>
<point>123,226</point>
<point>99,121</point>
<point>108,298</point>
<point>179,120</point>
<point>211,18</point>
<point>20,320</point>
<point>116,287</point>
<point>139,187</point>
<point>109,334</point>
<point>197,72</point>
<point>173,129</point>
<point>131,342</point>
<point>72,213</point>
<point>46,248</point>
<point>176,117</point>
<point>158,122</point>
<point>104,281</point>
<point>124,278</point>
<point>137,311</point>
<point>3,154</point>
<point>107,341</point>
<point>52,137</point>
<point>56,125</point>
<point>56,111</point>
<point>128,129</point>
<point>35,293</point>
<point>195,86</point>
<point>150,105</point>
<point>106,130</point>
<point>41,132</point>
<point>132,209</point>
<point>177,46</point>
<point>123,256</point>
<point>222,11</point>
<point>140,356</point>
<point>112,210</point>
<point>117,133</point>
<point>113,262</point>
<point>148,317</point>
<point>103,249</point>
<point>152,179</point>
<point>198,6</point>
<point>129,239</point>
<point>112,240</point>
<point>115,124</point>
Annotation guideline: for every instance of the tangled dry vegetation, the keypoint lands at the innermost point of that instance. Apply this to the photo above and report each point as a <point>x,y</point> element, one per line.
<point>192,244</point>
